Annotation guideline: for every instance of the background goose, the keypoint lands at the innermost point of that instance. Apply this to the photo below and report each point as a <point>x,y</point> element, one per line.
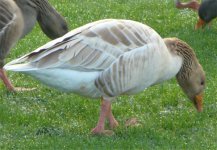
<point>18,17</point>
<point>109,58</point>
<point>193,4</point>
<point>206,10</point>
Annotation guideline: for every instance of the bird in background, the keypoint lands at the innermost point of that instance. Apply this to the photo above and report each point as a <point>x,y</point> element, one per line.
<point>206,10</point>
<point>18,17</point>
<point>193,4</point>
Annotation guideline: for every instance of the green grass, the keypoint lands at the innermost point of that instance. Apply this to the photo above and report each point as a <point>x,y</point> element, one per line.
<point>48,119</point>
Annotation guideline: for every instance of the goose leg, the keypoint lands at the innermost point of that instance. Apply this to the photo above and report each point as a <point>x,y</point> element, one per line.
<point>9,85</point>
<point>100,127</point>
<point>105,113</point>
<point>6,81</point>
<point>200,23</point>
<point>112,121</point>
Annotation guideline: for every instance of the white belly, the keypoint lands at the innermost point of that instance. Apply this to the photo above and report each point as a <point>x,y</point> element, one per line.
<point>65,80</point>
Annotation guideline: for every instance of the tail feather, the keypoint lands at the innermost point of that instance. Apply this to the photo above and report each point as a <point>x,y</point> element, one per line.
<point>19,65</point>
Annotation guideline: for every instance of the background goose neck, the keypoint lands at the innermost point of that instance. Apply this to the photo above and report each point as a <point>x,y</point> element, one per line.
<point>29,13</point>
<point>50,21</point>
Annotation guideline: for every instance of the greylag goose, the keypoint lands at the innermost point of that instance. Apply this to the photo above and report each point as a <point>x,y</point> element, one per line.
<point>108,58</point>
<point>18,17</point>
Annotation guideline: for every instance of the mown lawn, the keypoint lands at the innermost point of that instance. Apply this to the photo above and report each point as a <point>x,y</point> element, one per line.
<point>48,119</point>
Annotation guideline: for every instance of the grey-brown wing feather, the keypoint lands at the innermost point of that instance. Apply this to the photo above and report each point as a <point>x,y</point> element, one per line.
<point>92,47</point>
<point>125,75</point>
<point>75,51</point>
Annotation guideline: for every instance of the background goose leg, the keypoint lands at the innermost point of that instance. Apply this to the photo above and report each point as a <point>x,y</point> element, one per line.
<point>9,85</point>
<point>6,81</point>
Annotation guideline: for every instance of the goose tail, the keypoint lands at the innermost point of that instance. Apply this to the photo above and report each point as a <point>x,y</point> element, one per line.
<point>19,65</point>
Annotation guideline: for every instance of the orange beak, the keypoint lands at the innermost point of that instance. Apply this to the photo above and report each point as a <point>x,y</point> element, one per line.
<point>198,102</point>
<point>200,23</point>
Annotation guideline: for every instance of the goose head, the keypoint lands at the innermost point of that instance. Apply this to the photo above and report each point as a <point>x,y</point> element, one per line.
<point>50,21</point>
<point>191,76</point>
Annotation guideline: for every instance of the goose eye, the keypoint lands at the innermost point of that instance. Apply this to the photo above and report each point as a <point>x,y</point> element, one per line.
<point>202,82</point>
